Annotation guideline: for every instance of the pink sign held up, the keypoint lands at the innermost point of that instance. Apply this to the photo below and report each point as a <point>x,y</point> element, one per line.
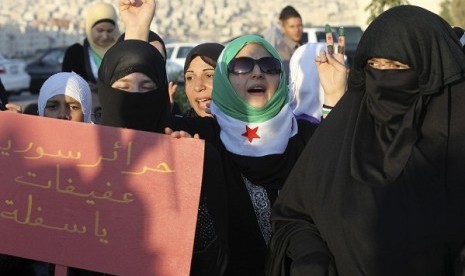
<point>104,199</point>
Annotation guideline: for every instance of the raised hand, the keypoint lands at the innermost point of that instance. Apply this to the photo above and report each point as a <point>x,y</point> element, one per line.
<point>332,70</point>
<point>137,16</point>
<point>172,86</point>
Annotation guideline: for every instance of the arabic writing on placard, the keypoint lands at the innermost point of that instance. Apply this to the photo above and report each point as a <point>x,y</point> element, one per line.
<point>39,153</point>
<point>31,213</point>
<point>26,219</point>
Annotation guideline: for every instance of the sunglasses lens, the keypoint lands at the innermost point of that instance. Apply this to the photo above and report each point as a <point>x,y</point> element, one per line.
<point>241,65</point>
<point>244,65</point>
<point>269,65</point>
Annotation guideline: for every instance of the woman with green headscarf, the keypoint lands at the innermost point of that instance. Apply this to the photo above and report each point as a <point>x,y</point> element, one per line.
<point>259,138</point>
<point>262,140</point>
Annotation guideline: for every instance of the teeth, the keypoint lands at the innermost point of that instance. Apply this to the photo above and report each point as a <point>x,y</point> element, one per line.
<point>203,100</point>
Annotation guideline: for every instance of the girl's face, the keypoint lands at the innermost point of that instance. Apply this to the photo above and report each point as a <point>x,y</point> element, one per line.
<point>102,34</point>
<point>64,107</point>
<point>199,85</point>
<point>254,87</point>
<point>135,82</point>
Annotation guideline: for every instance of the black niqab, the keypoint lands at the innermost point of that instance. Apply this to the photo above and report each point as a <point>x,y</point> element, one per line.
<point>153,36</point>
<point>349,207</point>
<point>430,49</point>
<point>149,111</point>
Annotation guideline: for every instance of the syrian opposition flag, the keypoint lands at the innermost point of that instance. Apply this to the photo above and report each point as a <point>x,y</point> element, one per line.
<point>256,139</point>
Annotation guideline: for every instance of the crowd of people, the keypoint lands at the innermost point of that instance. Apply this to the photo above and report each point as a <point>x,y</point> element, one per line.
<point>332,171</point>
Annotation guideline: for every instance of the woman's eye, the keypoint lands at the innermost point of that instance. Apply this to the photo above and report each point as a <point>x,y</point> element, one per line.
<point>50,106</point>
<point>401,66</point>
<point>122,87</point>
<point>209,76</point>
<point>373,64</point>
<point>148,87</point>
<point>75,107</point>
<point>189,78</point>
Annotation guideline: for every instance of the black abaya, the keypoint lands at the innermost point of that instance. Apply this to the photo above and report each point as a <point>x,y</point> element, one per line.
<point>377,194</point>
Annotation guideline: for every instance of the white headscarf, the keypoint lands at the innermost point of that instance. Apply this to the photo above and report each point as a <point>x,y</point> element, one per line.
<point>306,93</point>
<point>70,84</point>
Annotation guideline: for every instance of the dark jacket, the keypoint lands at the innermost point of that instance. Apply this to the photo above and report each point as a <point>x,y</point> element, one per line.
<point>3,95</point>
<point>77,60</point>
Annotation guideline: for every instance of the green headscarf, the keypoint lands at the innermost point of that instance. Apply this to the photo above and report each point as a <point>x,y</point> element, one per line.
<point>226,98</point>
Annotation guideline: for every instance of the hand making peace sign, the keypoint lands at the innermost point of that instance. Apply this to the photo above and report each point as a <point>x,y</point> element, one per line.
<point>331,68</point>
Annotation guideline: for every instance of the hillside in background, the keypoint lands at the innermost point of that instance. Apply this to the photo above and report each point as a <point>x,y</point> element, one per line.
<point>30,25</point>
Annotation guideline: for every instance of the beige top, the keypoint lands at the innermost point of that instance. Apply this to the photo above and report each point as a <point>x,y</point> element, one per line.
<point>286,48</point>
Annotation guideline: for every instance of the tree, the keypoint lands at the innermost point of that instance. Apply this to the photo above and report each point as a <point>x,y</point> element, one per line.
<point>457,10</point>
<point>445,11</point>
<point>376,7</point>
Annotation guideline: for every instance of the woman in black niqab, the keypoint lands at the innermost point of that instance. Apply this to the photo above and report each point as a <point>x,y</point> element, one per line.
<point>380,190</point>
<point>148,111</point>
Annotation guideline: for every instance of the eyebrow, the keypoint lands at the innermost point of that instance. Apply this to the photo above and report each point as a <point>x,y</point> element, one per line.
<point>203,70</point>
<point>67,102</point>
<point>148,81</point>
<point>125,80</point>
<point>105,29</point>
<point>73,102</point>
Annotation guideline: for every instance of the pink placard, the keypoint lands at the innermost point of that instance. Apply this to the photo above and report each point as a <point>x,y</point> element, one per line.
<point>105,199</point>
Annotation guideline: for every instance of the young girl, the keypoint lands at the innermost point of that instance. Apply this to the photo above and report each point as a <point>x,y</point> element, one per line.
<point>65,96</point>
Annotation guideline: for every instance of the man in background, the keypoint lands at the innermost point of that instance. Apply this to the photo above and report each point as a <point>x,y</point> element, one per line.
<point>292,29</point>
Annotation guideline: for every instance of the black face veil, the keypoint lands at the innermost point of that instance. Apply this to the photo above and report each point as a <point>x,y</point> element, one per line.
<point>147,111</point>
<point>379,189</point>
<point>382,143</point>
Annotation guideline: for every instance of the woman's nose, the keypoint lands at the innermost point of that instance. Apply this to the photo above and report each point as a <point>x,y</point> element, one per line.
<point>64,113</point>
<point>199,85</point>
<point>257,72</point>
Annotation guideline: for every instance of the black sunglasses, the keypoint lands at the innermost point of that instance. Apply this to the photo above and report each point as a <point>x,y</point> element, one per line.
<point>244,65</point>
